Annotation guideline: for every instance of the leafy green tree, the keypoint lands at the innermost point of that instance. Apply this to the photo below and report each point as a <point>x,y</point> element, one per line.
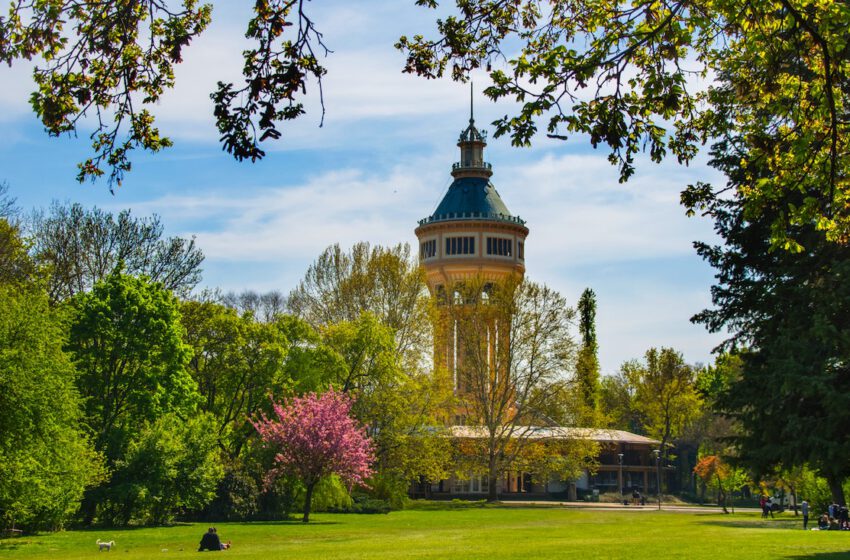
<point>665,394</point>
<point>237,362</point>
<point>172,466</point>
<point>126,340</point>
<point>384,281</point>
<point>711,431</point>
<point>309,361</point>
<point>587,364</point>
<point>46,461</point>
<point>16,266</point>
<point>617,398</point>
<point>82,246</point>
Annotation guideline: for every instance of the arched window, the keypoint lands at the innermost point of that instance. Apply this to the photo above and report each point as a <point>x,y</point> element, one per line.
<point>441,294</point>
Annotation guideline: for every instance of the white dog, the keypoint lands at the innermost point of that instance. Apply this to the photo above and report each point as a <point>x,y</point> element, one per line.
<point>107,546</point>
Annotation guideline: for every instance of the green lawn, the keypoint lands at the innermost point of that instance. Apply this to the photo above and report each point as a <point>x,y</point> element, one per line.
<point>466,533</point>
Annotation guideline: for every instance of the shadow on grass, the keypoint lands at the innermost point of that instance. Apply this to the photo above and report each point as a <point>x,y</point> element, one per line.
<point>822,556</point>
<point>754,524</point>
<point>446,505</point>
<point>281,523</point>
<point>126,528</point>
<point>14,546</point>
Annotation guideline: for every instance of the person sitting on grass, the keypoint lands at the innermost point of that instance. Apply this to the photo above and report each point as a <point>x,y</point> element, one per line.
<point>823,522</point>
<point>211,541</point>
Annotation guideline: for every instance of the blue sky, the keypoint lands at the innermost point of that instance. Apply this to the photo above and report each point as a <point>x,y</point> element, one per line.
<point>381,162</point>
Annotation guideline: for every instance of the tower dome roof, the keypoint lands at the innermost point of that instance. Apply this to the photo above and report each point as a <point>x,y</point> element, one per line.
<point>472,198</point>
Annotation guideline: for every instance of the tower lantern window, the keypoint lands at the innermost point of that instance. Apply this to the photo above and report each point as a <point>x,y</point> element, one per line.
<point>460,245</point>
<point>500,246</point>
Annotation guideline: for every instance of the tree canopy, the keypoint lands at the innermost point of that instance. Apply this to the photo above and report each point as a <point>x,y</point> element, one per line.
<point>81,246</point>
<point>126,340</point>
<point>663,77</point>
<point>315,436</point>
<point>665,394</point>
<point>789,311</point>
<point>46,460</point>
<point>236,362</point>
<point>668,77</point>
<point>386,282</point>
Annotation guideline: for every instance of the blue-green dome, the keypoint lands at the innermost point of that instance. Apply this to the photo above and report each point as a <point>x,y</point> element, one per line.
<point>470,198</point>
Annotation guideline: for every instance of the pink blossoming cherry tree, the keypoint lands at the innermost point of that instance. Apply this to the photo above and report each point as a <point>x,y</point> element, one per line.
<point>315,437</point>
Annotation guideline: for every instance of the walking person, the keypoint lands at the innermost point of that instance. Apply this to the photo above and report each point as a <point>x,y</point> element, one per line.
<point>804,507</point>
<point>763,506</point>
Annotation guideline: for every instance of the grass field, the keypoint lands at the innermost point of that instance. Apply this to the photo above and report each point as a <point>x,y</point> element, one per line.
<point>465,533</point>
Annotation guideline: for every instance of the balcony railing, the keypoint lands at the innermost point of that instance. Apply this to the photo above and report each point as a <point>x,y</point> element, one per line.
<point>451,216</point>
<point>473,165</point>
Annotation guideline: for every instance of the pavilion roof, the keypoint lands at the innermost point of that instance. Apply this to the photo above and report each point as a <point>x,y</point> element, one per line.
<point>602,435</point>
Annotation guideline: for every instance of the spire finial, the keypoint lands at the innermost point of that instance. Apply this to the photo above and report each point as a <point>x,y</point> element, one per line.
<point>471,119</point>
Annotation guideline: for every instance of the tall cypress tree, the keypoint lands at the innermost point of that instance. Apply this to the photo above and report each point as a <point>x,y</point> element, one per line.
<point>587,365</point>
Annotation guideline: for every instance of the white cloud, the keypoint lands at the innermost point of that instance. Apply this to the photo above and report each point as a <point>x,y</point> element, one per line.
<point>582,215</point>
<point>295,222</point>
<point>15,91</point>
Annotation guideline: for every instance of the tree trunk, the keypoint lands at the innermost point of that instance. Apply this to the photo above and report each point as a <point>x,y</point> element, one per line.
<point>492,474</point>
<point>307,501</point>
<point>88,508</point>
<point>836,489</point>
<point>492,491</point>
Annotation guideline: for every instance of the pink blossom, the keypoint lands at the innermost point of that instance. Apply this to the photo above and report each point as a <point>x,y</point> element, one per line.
<point>315,436</point>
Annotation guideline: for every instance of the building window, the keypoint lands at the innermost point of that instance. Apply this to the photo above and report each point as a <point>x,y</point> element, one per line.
<point>473,485</point>
<point>520,250</point>
<point>428,249</point>
<point>460,245</point>
<point>499,246</point>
